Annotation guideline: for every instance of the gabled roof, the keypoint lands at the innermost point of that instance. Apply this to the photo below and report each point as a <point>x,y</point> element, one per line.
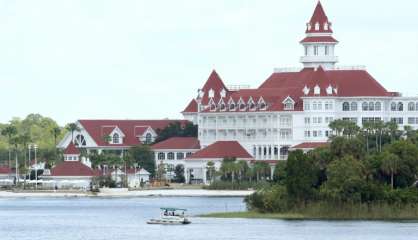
<point>310,145</point>
<point>71,150</point>
<point>320,17</point>
<point>97,129</point>
<point>221,149</point>
<point>72,169</point>
<point>178,143</point>
<point>192,107</point>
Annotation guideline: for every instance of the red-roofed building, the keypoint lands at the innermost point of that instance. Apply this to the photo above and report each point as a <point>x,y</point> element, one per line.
<point>173,151</point>
<point>196,164</point>
<point>308,146</point>
<point>294,106</point>
<point>116,135</point>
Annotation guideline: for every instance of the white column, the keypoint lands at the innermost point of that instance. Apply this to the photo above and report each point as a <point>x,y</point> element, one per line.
<point>204,175</point>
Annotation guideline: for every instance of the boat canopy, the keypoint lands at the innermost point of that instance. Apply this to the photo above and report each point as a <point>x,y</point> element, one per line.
<point>173,209</point>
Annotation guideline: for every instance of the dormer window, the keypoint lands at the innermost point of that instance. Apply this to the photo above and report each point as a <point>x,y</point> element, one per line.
<point>289,104</point>
<point>329,90</point>
<point>222,107</point>
<point>317,90</point>
<point>115,138</point>
<point>317,26</point>
<point>306,90</point>
<point>223,93</point>
<point>148,138</point>
<point>212,107</point>
<point>251,104</point>
<point>262,104</point>
<point>242,107</point>
<point>211,93</point>
<point>309,26</point>
<point>326,26</point>
<point>231,106</point>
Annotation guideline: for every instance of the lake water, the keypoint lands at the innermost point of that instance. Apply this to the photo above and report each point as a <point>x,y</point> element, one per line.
<point>125,218</point>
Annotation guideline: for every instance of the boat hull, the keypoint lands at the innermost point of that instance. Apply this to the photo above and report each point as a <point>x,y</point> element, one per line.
<point>168,222</point>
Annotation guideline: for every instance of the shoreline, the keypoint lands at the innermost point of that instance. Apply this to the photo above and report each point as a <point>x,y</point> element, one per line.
<point>124,193</point>
<point>298,216</point>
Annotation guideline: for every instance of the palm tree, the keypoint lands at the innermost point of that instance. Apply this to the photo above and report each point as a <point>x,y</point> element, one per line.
<point>242,168</point>
<point>56,131</point>
<point>73,127</point>
<point>261,168</point>
<point>392,128</point>
<point>390,165</point>
<point>15,141</point>
<point>9,131</point>
<point>210,167</point>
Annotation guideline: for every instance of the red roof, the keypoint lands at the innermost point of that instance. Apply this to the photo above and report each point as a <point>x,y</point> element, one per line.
<point>319,39</point>
<point>130,128</point>
<point>310,145</point>
<point>191,108</point>
<point>5,170</point>
<point>72,169</point>
<point>71,150</point>
<point>320,17</point>
<point>178,143</point>
<point>222,149</point>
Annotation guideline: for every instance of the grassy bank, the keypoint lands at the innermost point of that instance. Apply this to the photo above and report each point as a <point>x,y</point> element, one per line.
<point>346,212</point>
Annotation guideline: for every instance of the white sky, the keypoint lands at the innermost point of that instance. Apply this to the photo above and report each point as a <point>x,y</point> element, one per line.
<point>145,59</point>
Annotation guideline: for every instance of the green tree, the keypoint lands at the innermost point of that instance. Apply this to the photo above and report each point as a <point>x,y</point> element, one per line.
<point>73,127</point>
<point>301,176</point>
<point>9,131</point>
<point>390,165</point>
<point>179,173</point>
<point>279,174</point>
<point>176,129</point>
<point>345,180</point>
<point>143,155</point>
<point>261,169</point>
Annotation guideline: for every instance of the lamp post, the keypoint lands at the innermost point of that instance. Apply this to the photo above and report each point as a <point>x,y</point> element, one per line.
<point>35,147</point>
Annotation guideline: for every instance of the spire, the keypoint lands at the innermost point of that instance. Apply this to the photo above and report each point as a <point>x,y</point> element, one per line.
<point>319,43</point>
<point>319,21</point>
<point>213,88</point>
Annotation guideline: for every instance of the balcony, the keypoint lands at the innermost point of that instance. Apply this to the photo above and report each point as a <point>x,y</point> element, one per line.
<point>311,59</point>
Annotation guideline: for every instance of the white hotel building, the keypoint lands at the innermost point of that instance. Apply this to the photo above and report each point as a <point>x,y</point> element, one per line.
<point>292,108</point>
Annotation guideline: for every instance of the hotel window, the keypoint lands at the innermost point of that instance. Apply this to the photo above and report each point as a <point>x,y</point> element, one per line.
<point>222,107</point>
<point>378,106</point>
<point>397,120</point>
<point>148,138</point>
<point>189,154</point>
<point>371,106</point>
<point>393,106</point>
<point>346,106</point>
<point>306,50</point>
<point>161,156</point>
<point>315,106</point>
<point>231,107</point>
<point>115,138</point>
<point>251,106</point>
<point>353,106</point>
<point>314,133</point>
<point>326,50</point>
<point>400,106</point>
<point>411,106</point>
<point>416,106</point>
<point>365,106</point>
<point>170,156</point>
<point>80,140</point>
<point>306,106</point>
<point>262,106</point>
<point>242,107</point>
<point>307,134</point>
<point>316,50</point>
<point>213,107</point>
<point>307,121</point>
<point>319,106</point>
<point>411,120</point>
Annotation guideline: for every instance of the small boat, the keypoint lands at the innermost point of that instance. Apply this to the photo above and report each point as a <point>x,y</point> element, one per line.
<point>171,216</point>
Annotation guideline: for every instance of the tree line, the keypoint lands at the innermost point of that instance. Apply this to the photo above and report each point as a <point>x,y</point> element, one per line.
<point>377,163</point>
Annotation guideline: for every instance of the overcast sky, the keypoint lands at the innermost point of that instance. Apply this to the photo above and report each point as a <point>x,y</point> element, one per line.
<point>146,59</point>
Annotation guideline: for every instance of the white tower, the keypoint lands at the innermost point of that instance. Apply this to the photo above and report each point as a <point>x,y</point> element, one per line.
<point>319,44</point>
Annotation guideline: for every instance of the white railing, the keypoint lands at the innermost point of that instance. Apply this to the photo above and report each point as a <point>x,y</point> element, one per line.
<point>357,67</point>
<point>237,87</point>
<point>308,59</point>
<point>287,69</point>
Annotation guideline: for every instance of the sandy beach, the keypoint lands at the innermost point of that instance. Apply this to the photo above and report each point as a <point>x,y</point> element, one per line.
<point>126,193</point>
